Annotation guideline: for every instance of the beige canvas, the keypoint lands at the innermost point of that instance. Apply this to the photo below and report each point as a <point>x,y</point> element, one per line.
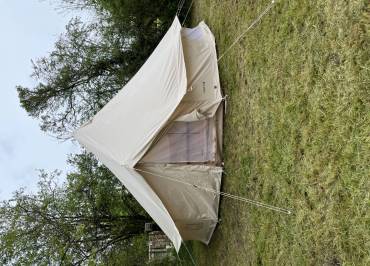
<point>177,85</point>
<point>194,210</point>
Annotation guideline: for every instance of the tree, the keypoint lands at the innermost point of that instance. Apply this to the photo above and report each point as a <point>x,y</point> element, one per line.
<point>91,62</point>
<point>82,221</point>
<point>82,73</point>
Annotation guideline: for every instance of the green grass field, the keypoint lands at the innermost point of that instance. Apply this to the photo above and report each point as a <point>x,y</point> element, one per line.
<point>297,132</point>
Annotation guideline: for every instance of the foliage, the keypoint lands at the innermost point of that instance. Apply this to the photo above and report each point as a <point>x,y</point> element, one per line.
<point>80,222</point>
<point>136,254</point>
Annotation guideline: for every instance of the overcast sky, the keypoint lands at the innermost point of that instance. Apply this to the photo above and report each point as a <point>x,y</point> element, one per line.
<point>29,29</point>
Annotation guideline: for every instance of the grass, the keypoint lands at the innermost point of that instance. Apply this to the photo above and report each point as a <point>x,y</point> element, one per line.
<point>297,132</point>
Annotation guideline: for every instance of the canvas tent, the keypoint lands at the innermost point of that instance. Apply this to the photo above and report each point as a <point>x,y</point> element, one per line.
<point>163,131</point>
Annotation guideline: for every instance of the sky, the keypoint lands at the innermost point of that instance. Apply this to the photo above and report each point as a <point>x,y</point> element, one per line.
<point>28,30</point>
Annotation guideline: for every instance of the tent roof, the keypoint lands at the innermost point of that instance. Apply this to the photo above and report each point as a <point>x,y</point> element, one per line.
<point>121,132</point>
<point>124,128</point>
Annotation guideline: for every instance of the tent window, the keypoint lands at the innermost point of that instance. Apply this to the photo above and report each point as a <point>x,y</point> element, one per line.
<point>185,142</point>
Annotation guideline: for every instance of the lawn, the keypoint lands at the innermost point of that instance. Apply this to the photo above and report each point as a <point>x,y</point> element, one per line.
<point>297,133</point>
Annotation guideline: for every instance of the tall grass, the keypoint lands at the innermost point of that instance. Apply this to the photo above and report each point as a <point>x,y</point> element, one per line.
<point>297,132</point>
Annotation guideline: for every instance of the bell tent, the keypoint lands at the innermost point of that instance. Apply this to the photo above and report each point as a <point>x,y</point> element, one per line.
<point>161,135</point>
